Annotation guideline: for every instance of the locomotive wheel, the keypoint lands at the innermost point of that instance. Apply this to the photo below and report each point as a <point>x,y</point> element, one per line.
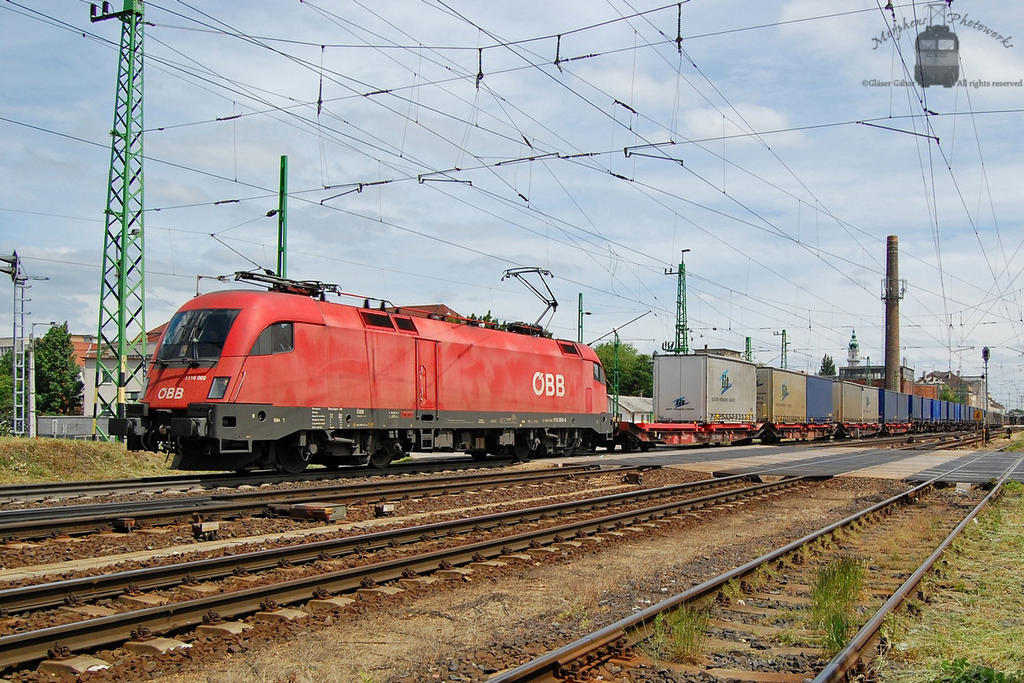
<point>478,454</point>
<point>291,460</point>
<point>380,458</point>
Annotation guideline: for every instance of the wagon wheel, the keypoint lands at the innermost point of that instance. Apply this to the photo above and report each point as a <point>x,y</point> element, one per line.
<point>478,453</point>
<point>290,460</point>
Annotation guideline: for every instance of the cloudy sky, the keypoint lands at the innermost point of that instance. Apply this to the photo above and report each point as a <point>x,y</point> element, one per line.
<point>449,145</point>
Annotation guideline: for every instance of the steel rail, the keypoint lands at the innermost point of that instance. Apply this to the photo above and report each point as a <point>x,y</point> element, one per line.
<point>18,492</point>
<point>848,657</point>
<point>77,519</point>
<point>30,646</point>
<point>614,636</point>
<point>98,586</point>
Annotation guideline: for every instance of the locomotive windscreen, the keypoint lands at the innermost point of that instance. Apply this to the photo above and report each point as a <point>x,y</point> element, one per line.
<point>941,44</point>
<point>197,335</point>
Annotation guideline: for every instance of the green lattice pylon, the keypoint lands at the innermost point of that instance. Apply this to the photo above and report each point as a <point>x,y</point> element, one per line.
<point>681,344</point>
<point>121,339</point>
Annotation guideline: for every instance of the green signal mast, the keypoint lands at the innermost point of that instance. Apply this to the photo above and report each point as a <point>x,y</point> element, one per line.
<point>682,342</point>
<point>121,338</point>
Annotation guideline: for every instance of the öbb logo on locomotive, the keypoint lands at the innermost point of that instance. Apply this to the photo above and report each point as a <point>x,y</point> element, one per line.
<point>172,393</point>
<point>548,384</point>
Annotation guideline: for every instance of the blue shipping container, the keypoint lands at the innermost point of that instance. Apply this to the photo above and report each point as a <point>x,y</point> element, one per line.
<point>926,409</point>
<point>887,410</point>
<point>902,407</point>
<point>917,408</point>
<point>820,407</point>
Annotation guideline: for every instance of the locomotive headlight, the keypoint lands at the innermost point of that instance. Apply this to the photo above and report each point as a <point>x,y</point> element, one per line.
<point>219,387</point>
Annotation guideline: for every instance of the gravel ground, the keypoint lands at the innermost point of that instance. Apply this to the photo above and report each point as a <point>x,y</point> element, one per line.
<point>503,618</point>
<point>96,545</point>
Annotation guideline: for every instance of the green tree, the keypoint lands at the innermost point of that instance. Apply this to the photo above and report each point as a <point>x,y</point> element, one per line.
<point>636,370</point>
<point>946,393</point>
<point>58,382</point>
<point>488,319</point>
<point>6,393</point>
<point>828,366</point>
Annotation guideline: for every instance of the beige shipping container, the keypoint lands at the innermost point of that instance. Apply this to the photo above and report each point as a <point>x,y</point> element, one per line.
<point>781,396</point>
<point>848,402</point>
<point>870,403</point>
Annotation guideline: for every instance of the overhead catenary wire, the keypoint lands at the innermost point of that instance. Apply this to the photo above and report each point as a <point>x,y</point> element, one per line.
<point>550,164</point>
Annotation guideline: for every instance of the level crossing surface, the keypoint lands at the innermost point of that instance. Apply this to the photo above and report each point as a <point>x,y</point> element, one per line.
<point>973,466</point>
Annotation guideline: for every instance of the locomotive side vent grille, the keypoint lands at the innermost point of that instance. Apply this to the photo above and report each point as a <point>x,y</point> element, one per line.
<point>377,319</point>
<point>568,349</point>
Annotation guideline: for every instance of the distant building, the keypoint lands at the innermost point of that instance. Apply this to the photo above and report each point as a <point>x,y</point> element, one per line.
<point>871,375</point>
<point>874,376</point>
<point>633,408</point>
<point>965,390</point>
<point>133,392</point>
<point>433,311</point>
<point>728,353</point>
<point>853,351</point>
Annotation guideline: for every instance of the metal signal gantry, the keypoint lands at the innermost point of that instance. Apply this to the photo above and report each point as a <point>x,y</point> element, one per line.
<point>12,266</point>
<point>121,338</point>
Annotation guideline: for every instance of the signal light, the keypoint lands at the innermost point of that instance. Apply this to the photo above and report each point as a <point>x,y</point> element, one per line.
<point>12,265</point>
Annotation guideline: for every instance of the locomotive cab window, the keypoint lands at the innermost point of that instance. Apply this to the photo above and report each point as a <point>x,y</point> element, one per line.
<point>276,338</point>
<point>197,335</point>
<point>598,373</point>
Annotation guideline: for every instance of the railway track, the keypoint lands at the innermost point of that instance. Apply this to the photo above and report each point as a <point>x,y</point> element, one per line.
<point>39,522</point>
<point>326,575</point>
<point>756,622</point>
<point>184,482</point>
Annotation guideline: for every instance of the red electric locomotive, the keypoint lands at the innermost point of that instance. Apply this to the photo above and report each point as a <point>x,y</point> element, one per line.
<point>283,379</point>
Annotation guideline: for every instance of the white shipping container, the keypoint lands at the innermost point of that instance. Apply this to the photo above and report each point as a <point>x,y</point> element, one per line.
<point>703,388</point>
<point>781,396</point>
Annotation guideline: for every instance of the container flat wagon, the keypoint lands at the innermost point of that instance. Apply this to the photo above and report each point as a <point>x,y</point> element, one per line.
<point>698,399</point>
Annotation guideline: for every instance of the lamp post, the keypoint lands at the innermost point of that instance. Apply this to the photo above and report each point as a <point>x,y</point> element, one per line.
<point>984,357</point>
<point>579,330</point>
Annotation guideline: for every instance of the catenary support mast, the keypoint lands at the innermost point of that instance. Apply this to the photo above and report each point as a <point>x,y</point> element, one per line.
<point>121,337</point>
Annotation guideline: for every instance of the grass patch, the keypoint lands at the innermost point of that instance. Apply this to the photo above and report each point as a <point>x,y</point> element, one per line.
<point>1016,442</point>
<point>24,461</point>
<point>678,636</point>
<point>973,626</point>
<point>962,671</point>
<point>833,596</point>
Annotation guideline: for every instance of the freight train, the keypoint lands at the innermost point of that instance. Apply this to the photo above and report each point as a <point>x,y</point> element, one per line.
<point>708,399</point>
<point>282,378</point>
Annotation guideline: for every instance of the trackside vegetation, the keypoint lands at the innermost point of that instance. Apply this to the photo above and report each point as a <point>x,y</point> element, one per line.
<point>970,625</point>
<point>30,460</point>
